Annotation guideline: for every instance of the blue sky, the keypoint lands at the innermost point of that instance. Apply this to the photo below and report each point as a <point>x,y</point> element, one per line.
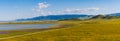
<point>16,9</point>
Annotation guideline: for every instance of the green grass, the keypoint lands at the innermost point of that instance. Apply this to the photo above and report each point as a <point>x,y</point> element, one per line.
<point>91,30</point>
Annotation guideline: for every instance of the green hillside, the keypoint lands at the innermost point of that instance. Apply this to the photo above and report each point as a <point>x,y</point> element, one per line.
<point>91,30</point>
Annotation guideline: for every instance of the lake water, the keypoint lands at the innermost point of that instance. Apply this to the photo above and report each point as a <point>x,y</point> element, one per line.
<point>23,26</point>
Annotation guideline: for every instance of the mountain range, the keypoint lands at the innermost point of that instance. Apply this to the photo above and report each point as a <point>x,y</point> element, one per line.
<point>114,14</point>
<point>59,17</point>
<point>54,17</point>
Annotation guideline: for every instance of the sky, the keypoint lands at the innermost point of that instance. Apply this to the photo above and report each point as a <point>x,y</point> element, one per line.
<point>18,9</point>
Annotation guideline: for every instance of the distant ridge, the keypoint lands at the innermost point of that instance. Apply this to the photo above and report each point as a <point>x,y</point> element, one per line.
<point>54,17</point>
<point>114,14</point>
<point>105,16</point>
<point>71,16</point>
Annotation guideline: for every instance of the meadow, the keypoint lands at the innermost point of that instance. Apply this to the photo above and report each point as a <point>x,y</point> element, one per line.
<point>88,30</point>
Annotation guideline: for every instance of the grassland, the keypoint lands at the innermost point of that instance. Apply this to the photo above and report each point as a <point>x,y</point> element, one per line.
<point>90,30</point>
<point>8,33</point>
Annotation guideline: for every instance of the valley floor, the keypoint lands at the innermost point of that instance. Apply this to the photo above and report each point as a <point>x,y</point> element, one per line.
<point>91,30</point>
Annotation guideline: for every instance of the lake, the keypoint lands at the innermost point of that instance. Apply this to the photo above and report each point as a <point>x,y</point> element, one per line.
<point>23,26</point>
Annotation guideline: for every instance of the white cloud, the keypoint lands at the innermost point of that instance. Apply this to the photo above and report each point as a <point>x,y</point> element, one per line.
<point>40,8</point>
<point>85,10</point>
<point>72,11</point>
<point>42,5</point>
